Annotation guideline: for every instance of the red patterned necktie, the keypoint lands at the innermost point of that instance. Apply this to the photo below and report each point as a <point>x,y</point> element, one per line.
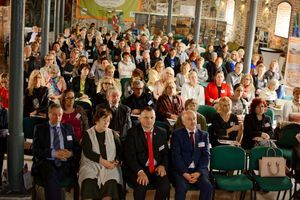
<point>150,152</point>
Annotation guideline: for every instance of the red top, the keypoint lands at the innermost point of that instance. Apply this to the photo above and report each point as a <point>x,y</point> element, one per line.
<point>4,97</point>
<point>74,120</point>
<point>212,92</point>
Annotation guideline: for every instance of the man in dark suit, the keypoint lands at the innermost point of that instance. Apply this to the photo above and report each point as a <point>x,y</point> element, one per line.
<point>190,157</point>
<point>55,152</point>
<point>146,157</point>
<point>121,120</point>
<point>172,61</point>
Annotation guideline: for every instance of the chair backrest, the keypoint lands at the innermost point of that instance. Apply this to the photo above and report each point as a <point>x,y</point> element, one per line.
<point>288,136</point>
<point>270,113</point>
<point>257,153</point>
<point>226,157</point>
<point>208,112</point>
<point>29,123</point>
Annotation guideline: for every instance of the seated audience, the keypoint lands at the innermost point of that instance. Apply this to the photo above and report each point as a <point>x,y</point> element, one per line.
<point>259,79</point>
<point>4,95</point>
<point>55,152</point>
<point>166,76</point>
<point>83,86</point>
<point>172,61</point>
<point>126,66</point>
<point>257,126</point>
<point>182,77</point>
<point>146,157</point>
<point>249,89</point>
<point>100,175</point>
<point>235,77</point>
<point>139,99</point>
<point>202,73</point>
<point>74,115</point>
<point>190,157</point>
<point>169,105</point>
<point>225,124</point>
<point>275,73</point>
<point>103,85</point>
<point>121,121</point>
<point>239,105</point>
<point>269,93</point>
<point>191,104</point>
<point>291,110</point>
<point>193,90</point>
<point>155,74</point>
<point>56,84</point>
<point>216,89</point>
<point>36,96</point>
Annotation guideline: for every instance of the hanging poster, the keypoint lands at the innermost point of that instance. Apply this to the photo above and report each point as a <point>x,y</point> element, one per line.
<point>104,9</point>
<point>292,69</point>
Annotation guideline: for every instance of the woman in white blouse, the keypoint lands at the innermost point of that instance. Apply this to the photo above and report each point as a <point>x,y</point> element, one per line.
<point>291,110</point>
<point>166,76</point>
<point>125,67</point>
<point>193,90</point>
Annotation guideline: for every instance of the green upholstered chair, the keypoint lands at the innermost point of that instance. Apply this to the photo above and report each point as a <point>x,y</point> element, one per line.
<point>267,183</point>
<point>226,159</point>
<point>208,112</point>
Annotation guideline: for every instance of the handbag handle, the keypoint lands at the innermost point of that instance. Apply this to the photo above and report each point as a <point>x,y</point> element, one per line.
<point>274,152</point>
<point>270,168</point>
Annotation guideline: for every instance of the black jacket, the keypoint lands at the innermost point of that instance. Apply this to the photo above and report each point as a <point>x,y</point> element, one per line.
<point>89,87</point>
<point>253,128</point>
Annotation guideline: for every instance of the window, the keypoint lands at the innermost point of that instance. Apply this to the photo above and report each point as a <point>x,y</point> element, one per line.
<point>283,18</point>
<point>230,11</point>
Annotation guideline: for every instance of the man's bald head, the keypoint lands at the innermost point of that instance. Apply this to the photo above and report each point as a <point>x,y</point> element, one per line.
<point>189,119</point>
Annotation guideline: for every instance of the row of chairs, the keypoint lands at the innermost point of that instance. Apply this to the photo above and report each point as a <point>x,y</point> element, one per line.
<point>225,159</point>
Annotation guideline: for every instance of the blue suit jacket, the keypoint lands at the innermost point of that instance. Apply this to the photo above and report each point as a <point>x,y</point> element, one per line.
<point>183,153</point>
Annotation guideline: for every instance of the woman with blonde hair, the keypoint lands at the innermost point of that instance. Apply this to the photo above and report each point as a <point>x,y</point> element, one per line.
<point>56,84</point>
<point>166,76</point>
<point>249,89</point>
<point>225,124</point>
<point>102,88</point>
<point>155,73</point>
<point>183,76</point>
<point>36,95</point>
<point>169,104</point>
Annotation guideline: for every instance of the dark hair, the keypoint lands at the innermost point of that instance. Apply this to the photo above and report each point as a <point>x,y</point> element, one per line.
<point>125,54</point>
<point>147,108</point>
<point>255,103</point>
<point>102,112</point>
<point>63,96</point>
<point>138,73</point>
<point>237,86</point>
<point>188,102</point>
<point>83,65</point>
<point>54,43</point>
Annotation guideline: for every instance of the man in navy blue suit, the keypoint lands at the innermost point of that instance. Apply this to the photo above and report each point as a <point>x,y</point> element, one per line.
<point>190,158</point>
<point>55,152</point>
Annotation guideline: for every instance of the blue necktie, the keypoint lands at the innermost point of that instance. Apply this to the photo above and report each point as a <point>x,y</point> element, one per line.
<point>56,144</point>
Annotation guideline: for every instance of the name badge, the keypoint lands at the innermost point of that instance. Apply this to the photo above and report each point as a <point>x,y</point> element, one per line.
<point>78,116</point>
<point>201,144</point>
<point>150,102</point>
<point>232,123</point>
<point>69,138</point>
<point>175,101</point>
<point>222,91</point>
<point>161,147</point>
<point>267,124</point>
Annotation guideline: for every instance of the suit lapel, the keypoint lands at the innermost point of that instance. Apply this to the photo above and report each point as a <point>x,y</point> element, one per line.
<point>47,135</point>
<point>142,136</point>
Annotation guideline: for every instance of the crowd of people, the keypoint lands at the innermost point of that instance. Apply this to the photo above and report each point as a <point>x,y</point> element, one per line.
<point>105,93</point>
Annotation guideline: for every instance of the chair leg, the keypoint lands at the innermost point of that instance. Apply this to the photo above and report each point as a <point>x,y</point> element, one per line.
<point>284,194</point>
<point>278,195</point>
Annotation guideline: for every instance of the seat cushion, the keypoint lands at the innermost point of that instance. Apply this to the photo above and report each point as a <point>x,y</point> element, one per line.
<point>233,183</point>
<point>273,183</point>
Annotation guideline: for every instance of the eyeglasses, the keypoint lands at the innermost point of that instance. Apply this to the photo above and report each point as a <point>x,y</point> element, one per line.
<point>70,98</point>
<point>49,59</point>
<point>137,88</point>
<point>106,83</point>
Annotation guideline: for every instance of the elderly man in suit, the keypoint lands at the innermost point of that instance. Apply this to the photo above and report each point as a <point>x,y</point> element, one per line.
<point>190,157</point>
<point>146,157</point>
<point>55,152</point>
